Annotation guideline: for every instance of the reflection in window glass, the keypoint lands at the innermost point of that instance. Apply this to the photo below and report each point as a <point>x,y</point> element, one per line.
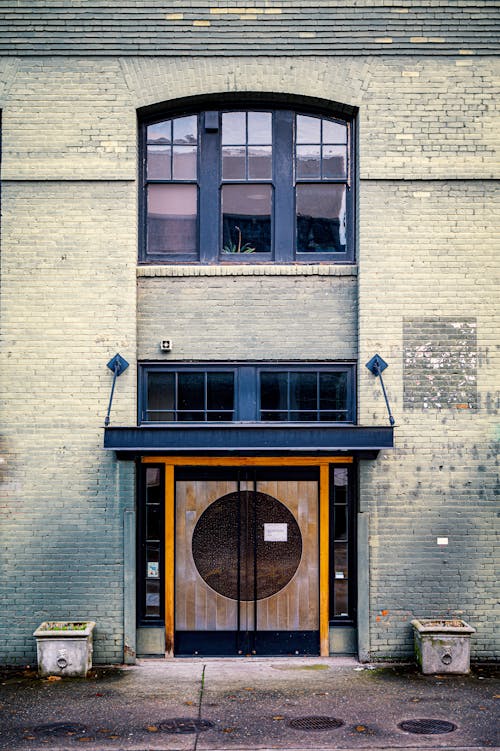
<point>160,132</point>
<point>260,164</point>
<point>340,608</point>
<point>184,162</point>
<point>159,163</point>
<point>234,128</point>
<point>334,132</point>
<point>321,218</point>
<point>172,218</point>
<point>152,598</point>
<point>246,219</point>
<point>220,388</point>
<point>233,162</point>
<point>308,161</point>
<point>308,129</point>
<point>260,128</point>
<point>186,129</point>
<point>334,162</point>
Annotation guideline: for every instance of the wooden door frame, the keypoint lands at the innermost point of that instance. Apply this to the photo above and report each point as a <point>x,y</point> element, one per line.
<point>323,462</point>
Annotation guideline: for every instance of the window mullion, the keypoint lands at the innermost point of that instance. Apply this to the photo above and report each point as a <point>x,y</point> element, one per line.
<point>284,201</point>
<point>209,191</point>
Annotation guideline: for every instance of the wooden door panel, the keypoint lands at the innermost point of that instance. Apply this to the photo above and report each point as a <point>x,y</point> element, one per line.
<point>198,607</point>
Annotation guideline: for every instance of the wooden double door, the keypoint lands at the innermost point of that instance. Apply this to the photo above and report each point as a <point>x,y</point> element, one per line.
<point>246,561</point>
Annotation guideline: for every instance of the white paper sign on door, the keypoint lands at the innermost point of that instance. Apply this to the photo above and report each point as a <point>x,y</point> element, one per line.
<point>275,532</point>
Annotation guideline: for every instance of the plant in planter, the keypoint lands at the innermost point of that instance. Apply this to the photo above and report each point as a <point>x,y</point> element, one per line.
<point>64,648</point>
<point>442,645</point>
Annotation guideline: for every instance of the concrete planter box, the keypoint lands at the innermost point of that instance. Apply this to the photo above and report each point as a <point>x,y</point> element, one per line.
<point>64,648</point>
<point>442,646</point>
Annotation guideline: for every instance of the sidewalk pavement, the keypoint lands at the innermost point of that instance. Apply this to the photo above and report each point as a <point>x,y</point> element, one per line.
<point>249,704</point>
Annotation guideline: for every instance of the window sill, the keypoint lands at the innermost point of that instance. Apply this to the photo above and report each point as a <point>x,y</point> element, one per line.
<point>266,269</point>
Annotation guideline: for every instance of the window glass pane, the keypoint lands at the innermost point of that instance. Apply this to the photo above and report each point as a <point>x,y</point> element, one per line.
<point>334,132</point>
<point>340,532</point>
<point>274,416</point>
<point>190,416</point>
<point>340,598</point>
<point>308,162</point>
<point>303,416</point>
<point>172,218</point>
<point>234,128</point>
<point>260,128</point>
<point>233,162</point>
<point>303,391</point>
<point>334,162</point>
<point>153,487</point>
<point>260,165</point>
<point>161,391</point>
<point>321,218</point>
<point>332,416</point>
<point>246,218</point>
<point>153,598</point>
<point>190,392</point>
<point>159,167</point>
<point>273,392</point>
<point>340,477</point>
<point>340,556</point>
<point>153,521</point>
<point>186,129</point>
<point>152,477</point>
<point>184,162</point>
<point>220,392</point>
<point>308,129</point>
<point>160,132</point>
<point>333,391</point>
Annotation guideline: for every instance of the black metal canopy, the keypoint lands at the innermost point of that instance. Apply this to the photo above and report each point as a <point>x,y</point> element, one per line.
<point>248,438</point>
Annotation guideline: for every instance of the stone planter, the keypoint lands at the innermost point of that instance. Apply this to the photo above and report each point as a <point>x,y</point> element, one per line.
<point>64,648</point>
<point>442,646</point>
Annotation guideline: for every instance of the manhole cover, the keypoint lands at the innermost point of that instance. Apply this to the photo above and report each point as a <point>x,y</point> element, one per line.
<point>184,725</point>
<point>427,727</point>
<point>58,729</point>
<point>315,723</point>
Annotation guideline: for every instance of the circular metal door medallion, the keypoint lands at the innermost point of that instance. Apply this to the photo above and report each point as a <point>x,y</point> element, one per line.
<point>231,552</point>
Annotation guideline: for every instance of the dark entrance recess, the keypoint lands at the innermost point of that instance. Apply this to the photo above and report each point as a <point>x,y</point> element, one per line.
<point>246,546</point>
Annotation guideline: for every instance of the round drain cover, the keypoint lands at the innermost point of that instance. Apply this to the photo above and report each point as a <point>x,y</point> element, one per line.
<point>184,725</point>
<point>57,729</point>
<point>315,723</point>
<point>427,727</point>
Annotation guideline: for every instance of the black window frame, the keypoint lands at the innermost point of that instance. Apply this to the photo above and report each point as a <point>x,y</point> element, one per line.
<point>247,391</point>
<point>284,185</point>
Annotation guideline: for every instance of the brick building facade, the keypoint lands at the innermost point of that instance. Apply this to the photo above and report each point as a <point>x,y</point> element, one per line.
<point>415,88</point>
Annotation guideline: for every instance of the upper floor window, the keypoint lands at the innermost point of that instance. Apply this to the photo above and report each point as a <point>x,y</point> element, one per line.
<point>246,392</point>
<point>247,185</point>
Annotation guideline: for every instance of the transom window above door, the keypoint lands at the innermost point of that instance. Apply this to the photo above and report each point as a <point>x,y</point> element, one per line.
<point>246,392</point>
<point>247,186</point>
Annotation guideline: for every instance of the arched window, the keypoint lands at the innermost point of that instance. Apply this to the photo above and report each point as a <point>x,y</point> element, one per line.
<point>247,185</point>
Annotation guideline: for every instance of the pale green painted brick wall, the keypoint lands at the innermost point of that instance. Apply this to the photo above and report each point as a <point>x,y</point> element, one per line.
<point>427,145</point>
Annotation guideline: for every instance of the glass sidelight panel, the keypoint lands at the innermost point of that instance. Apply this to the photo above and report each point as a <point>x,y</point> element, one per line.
<point>342,580</point>
<point>150,549</point>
